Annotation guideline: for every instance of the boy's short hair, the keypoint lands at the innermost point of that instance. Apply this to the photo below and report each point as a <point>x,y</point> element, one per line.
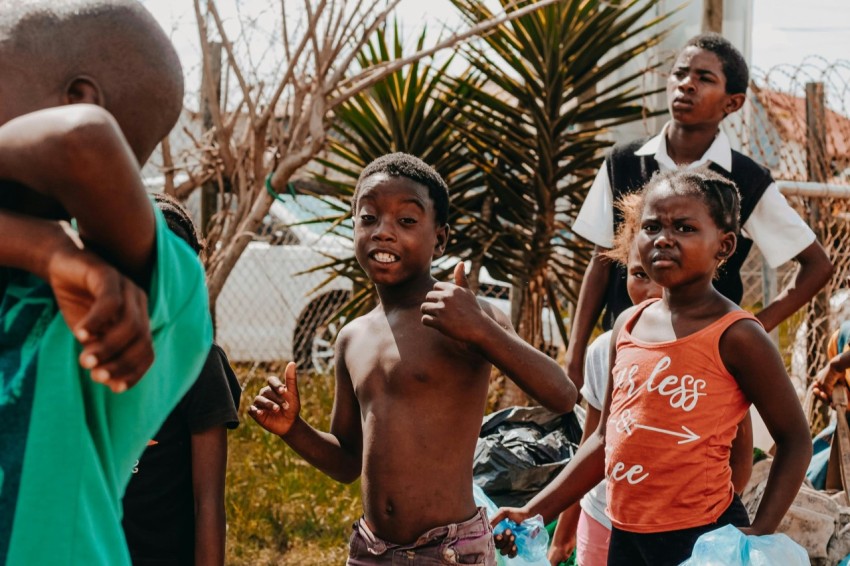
<point>734,65</point>
<point>116,43</point>
<point>406,165</point>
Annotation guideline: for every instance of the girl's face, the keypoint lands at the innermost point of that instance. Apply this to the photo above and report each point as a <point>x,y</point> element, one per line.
<point>678,240</point>
<point>638,284</point>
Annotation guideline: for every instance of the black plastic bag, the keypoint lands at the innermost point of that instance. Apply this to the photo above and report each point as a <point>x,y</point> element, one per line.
<point>521,449</point>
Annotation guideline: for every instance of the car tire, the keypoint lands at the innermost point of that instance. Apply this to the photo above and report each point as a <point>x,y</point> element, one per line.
<point>315,332</point>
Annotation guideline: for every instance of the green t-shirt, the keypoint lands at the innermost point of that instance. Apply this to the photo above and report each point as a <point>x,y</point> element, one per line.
<point>75,440</point>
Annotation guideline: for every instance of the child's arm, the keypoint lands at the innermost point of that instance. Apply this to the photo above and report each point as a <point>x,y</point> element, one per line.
<point>764,381</point>
<point>591,300</point>
<point>564,537</point>
<point>337,453</point>
<point>814,272</point>
<point>830,374</point>
<point>76,156</point>
<point>209,460</point>
<point>454,310</point>
<point>92,296</point>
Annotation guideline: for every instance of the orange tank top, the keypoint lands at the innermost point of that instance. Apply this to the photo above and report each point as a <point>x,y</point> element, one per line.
<point>674,413</point>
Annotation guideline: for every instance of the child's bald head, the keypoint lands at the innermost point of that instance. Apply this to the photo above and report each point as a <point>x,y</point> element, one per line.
<point>107,52</point>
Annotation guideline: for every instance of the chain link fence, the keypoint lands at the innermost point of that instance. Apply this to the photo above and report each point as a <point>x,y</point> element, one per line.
<point>278,304</point>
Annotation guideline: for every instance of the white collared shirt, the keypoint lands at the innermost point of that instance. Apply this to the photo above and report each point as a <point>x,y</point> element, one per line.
<point>773,226</point>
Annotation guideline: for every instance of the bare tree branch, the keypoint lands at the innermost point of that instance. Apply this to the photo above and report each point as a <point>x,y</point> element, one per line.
<point>231,58</point>
<point>359,41</point>
<point>290,72</point>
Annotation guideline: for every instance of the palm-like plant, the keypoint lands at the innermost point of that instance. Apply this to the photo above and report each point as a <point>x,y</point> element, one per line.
<point>408,111</point>
<point>534,128</point>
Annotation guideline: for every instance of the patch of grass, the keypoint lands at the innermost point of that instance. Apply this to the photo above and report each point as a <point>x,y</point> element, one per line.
<point>281,510</point>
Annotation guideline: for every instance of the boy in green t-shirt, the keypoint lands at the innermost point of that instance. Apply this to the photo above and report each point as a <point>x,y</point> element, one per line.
<point>104,325</point>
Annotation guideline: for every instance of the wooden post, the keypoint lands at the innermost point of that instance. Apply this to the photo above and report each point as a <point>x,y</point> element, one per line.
<point>816,165</point>
<point>817,162</point>
<point>712,16</point>
<point>209,190</point>
<point>838,468</point>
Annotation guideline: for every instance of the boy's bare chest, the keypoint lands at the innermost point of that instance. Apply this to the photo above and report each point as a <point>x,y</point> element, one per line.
<point>405,358</point>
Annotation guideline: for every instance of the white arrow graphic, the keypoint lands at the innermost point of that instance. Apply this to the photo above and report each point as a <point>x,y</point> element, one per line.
<point>626,423</point>
<point>687,436</point>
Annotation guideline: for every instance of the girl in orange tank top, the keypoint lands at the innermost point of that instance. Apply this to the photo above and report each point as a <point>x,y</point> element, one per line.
<point>685,369</point>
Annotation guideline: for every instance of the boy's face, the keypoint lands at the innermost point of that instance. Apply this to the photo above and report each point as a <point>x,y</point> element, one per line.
<point>696,89</point>
<point>395,232</point>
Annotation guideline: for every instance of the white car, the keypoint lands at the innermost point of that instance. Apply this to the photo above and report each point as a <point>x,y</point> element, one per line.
<point>273,307</point>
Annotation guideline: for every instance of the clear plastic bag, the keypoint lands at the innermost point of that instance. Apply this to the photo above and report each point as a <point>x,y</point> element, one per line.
<point>728,546</point>
<point>532,539</point>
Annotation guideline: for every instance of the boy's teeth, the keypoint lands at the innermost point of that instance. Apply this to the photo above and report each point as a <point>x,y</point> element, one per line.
<point>384,258</point>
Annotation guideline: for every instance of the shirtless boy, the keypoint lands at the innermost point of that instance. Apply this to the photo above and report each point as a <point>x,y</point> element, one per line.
<point>411,381</point>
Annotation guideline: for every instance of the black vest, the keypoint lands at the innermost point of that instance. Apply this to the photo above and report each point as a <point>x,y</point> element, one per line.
<point>628,172</point>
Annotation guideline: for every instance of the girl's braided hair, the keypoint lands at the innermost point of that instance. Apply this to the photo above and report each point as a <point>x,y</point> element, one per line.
<point>179,221</point>
<point>719,194</point>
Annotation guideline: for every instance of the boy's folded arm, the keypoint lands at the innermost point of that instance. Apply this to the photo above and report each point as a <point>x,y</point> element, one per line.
<point>104,310</point>
<point>77,156</point>
<point>536,373</point>
<point>814,272</point>
<point>30,243</point>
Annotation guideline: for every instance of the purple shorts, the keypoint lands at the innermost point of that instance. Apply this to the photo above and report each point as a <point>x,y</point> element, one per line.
<point>469,542</point>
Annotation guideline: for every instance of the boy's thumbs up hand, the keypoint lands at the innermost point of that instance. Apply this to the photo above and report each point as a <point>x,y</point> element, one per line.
<point>278,405</point>
<point>453,309</point>
<point>460,276</point>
